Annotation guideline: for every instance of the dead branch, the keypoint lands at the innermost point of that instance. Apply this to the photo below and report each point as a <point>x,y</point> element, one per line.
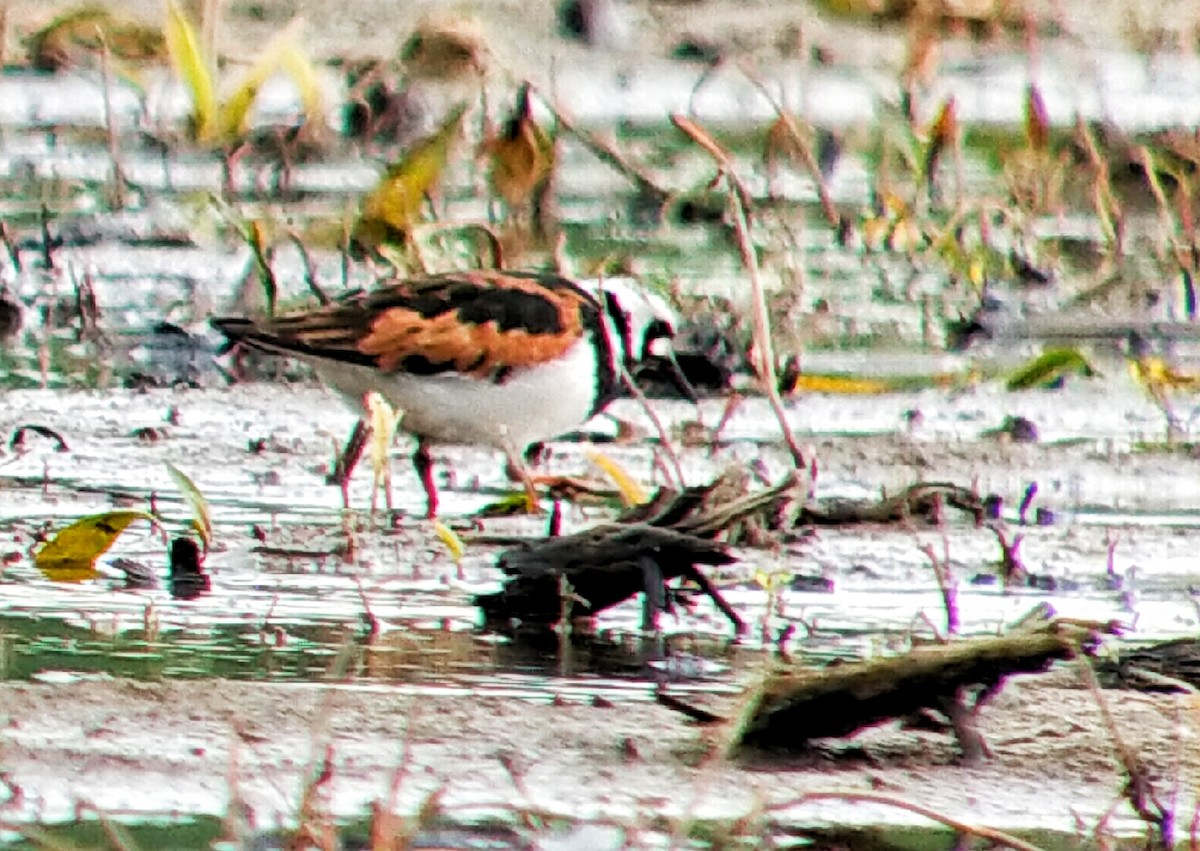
<point>667,538</point>
<point>795,706</point>
<point>918,500</point>
<point>739,203</point>
<point>798,706</point>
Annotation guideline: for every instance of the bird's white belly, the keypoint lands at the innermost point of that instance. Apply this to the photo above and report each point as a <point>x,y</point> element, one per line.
<point>533,404</point>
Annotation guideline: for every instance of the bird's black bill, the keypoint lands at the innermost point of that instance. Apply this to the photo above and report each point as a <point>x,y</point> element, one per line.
<point>674,374</point>
<point>665,372</point>
<point>662,376</point>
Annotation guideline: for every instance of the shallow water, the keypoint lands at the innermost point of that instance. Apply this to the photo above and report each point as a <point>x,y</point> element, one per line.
<point>297,573</point>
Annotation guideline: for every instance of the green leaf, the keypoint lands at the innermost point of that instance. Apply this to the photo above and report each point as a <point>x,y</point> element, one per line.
<point>234,114</point>
<point>71,554</point>
<point>1049,368</point>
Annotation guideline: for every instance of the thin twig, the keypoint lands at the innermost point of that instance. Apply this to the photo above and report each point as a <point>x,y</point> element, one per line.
<point>605,152</point>
<point>803,148</point>
<point>854,795</point>
<point>110,124</point>
<point>10,246</point>
<point>310,269</point>
<point>1108,209</point>
<point>765,368</point>
<point>1139,788</point>
<point>663,436</point>
<point>116,834</point>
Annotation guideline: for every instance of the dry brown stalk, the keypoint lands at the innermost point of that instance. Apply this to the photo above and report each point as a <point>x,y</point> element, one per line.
<point>664,436</point>
<point>1108,210</point>
<point>606,153</point>
<point>110,125</point>
<point>1139,787</point>
<point>803,148</point>
<point>763,348</point>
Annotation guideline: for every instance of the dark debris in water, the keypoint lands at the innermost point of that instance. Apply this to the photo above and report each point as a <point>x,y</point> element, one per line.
<point>187,579</point>
<point>18,439</point>
<point>584,573</point>
<point>1166,666</point>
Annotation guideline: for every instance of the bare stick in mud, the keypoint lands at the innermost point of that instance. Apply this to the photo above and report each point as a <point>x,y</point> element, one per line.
<point>794,706</point>
<point>919,500</point>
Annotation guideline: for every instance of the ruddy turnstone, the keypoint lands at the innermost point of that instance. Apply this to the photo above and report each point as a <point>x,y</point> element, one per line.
<point>496,358</point>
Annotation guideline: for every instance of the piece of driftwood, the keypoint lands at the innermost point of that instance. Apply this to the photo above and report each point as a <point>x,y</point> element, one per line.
<point>923,500</point>
<point>601,568</point>
<point>794,707</point>
<point>586,572</point>
<point>1165,666</point>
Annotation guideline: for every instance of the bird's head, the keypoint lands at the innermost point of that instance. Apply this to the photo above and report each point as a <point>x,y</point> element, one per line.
<point>642,326</point>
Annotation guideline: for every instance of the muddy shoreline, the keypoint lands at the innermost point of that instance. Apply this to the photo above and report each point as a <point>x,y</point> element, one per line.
<point>135,747</point>
<point>121,745</point>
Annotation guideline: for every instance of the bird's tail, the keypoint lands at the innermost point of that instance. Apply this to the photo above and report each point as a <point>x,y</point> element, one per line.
<point>240,331</point>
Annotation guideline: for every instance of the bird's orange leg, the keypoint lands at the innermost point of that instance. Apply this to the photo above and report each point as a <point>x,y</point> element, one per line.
<point>423,463</point>
<point>344,466</point>
<point>517,470</point>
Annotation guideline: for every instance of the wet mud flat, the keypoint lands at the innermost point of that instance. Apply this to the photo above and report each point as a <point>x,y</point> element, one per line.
<point>147,750</point>
<point>582,743</point>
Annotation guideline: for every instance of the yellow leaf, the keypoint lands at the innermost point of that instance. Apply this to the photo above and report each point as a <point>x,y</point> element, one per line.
<point>1037,120</point>
<point>631,492</point>
<point>784,141</point>
<point>845,385</point>
<point>875,230</point>
<point>1155,373</point>
<point>394,206</point>
<point>975,273</point>
<point>448,537</point>
<point>906,235</point>
<point>298,66</point>
<point>234,116</point>
<point>194,69</point>
<point>771,580</point>
<point>382,419</point>
<point>945,126</point>
<point>521,154</point>
<point>71,554</point>
<point>201,514</point>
